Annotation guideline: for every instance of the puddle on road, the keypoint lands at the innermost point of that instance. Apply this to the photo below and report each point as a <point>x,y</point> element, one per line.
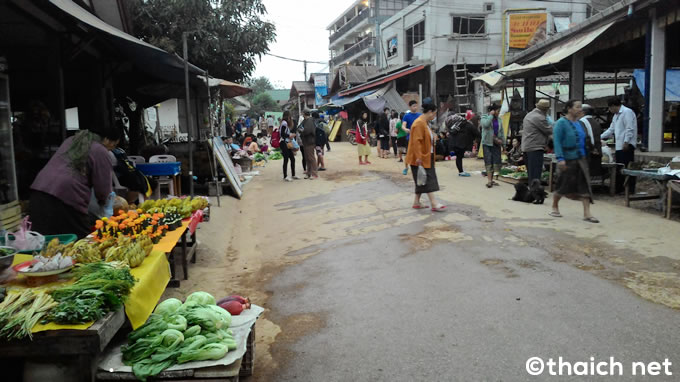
<point>427,238</point>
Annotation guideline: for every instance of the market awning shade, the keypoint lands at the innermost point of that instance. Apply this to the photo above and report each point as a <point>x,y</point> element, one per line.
<point>342,101</point>
<point>154,60</point>
<point>228,89</point>
<point>381,80</point>
<point>551,57</point>
<point>385,97</point>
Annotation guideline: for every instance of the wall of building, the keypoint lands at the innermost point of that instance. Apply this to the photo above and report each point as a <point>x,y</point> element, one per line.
<point>439,44</point>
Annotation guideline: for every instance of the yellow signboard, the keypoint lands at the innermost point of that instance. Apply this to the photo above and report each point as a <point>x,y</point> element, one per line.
<point>527,29</point>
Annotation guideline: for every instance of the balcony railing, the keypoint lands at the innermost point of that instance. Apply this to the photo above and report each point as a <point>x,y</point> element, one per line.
<point>368,42</point>
<point>356,20</point>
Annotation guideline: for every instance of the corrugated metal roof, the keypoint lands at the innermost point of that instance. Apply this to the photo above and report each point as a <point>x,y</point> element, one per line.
<point>302,87</point>
<point>279,94</point>
<point>564,76</point>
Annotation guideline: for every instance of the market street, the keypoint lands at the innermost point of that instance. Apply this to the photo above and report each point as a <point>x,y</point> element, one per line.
<point>359,286</point>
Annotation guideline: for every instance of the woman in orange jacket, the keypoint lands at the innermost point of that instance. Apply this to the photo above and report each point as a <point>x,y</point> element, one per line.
<point>421,153</point>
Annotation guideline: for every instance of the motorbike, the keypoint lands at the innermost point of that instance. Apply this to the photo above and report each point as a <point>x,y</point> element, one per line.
<point>352,138</point>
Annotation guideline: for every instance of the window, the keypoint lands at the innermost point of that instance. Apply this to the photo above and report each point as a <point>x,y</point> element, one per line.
<point>414,35</point>
<point>561,22</point>
<point>488,7</point>
<point>392,46</point>
<point>469,26</point>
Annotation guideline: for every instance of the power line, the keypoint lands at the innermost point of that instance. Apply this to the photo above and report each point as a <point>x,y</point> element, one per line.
<point>295,59</point>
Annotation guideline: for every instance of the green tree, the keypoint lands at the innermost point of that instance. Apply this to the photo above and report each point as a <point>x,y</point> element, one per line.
<point>262,103</point>
<point>227,36</point>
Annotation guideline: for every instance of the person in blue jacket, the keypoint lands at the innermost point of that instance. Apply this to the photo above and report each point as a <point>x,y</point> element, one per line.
<point>569,139</point>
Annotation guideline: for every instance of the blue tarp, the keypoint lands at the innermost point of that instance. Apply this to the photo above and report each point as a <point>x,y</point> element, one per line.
<point>672,83</point>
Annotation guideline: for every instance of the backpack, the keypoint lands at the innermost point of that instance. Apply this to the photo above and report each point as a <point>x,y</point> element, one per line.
<point>276,139</point>
<point>321,136</point>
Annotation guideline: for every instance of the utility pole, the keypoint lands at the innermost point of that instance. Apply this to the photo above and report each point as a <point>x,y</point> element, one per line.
<point>188,116</point>
<point>305,62</point>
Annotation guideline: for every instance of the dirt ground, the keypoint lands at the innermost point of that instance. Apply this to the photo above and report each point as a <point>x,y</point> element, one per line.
<point>277,224</point>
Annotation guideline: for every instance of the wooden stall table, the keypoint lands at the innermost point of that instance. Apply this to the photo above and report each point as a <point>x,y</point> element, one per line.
<point>660,181</point>
<point>186,250</point>
<point>673,186</point>
<point>79,346</point>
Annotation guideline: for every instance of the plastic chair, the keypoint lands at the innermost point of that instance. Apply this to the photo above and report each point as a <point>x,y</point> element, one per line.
<point>136,159</point>
<point>164,180</point>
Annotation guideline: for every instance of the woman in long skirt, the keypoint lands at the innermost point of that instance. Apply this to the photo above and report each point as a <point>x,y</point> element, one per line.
<point>569,138</point>
<point>421,153</point>
<point>362,139</point>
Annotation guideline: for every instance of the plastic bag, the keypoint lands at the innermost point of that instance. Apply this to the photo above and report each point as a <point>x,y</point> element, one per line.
<point>421,177</point>
<point>24,239</point>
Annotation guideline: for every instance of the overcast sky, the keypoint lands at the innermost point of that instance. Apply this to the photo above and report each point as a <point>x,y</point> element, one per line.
<point>301,34</point>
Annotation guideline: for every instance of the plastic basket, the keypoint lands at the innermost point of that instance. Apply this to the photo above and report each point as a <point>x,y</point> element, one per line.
<point>65,238</point>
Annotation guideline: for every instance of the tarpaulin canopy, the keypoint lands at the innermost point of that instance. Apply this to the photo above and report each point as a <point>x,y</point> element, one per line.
<point>672,83</point>
<point>338,101</point>
<point>551,57</point>
<point>385,97</point>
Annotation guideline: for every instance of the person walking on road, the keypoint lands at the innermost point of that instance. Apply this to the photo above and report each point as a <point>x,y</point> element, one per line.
<point>362,139</point>
<point>309,144</point>
<point>287,151</point>
<point>421,153</point>
<point>320,139</point>
<point>624,129</point>
<point>594,144</point>
<point>462,136</point>
<point>569,139</point>
<point>402,141</point>
<point>407,122</point>
<point>536,132</point>
<point>493,140</point>
<point>394,119</point>
<point>384,134</point>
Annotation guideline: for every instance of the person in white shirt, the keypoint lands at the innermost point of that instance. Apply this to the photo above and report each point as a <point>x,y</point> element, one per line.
<point>624,128</point>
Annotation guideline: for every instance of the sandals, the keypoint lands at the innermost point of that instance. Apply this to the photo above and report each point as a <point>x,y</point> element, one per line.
<point>489,185</point>
<point>555,214</point>
<point>417,206</point>
<point>591,220</point>
<point>438,208</point>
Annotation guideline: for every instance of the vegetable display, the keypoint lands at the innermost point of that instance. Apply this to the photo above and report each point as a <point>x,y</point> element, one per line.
<point>177,333</point>
<point>99,288</point>
<point>132,224</point>
<point>19,312</point>
<point>43,264</point>
<point>183,206</point>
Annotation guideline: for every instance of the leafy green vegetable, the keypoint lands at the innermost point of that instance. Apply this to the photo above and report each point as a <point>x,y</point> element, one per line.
<point>168,306</point>
<point>177,322</point>
<point>209,351</point>
<point>200,298</point>
<point>192,331</point>
<point>160,343</point>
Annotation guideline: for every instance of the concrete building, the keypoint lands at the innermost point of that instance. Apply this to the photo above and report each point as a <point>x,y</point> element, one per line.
<point>353,33</point>
<point>456,36</point>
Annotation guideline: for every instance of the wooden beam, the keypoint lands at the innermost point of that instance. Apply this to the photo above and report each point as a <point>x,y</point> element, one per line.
<point>34,11</point>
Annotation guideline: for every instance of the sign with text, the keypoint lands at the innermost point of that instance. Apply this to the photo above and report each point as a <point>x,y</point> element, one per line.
<point>527,29</point>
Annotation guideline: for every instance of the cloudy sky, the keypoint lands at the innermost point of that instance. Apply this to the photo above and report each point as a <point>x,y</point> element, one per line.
<point>301,34</point>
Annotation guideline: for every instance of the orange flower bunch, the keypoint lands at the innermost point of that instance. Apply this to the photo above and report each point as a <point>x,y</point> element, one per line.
<point>132,224</point>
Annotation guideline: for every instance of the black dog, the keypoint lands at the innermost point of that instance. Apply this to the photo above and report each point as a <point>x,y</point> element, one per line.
<point>535,193</point>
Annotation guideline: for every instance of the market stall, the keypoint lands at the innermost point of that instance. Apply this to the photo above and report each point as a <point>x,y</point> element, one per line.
<point>68,300</point>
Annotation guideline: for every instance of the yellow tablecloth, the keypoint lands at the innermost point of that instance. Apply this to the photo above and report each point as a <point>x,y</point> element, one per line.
<point>167,243</point>
<point>152,278</point>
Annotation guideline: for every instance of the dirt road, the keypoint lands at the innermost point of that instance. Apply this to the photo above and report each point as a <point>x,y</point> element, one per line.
<point>359,286</point>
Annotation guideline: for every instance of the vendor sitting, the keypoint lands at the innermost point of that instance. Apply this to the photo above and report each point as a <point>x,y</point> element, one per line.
<point>62,189</point>
<point>250,145</point>
<point>262,143</point>
<point>516,155</point>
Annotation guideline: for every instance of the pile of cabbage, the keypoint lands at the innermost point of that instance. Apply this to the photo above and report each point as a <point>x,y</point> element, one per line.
<point>177,333</point>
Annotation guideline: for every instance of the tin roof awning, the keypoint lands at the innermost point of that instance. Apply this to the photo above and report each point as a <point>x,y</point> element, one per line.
<point>551,57</point>
<point>381,80</point>
<point>153,59</point>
